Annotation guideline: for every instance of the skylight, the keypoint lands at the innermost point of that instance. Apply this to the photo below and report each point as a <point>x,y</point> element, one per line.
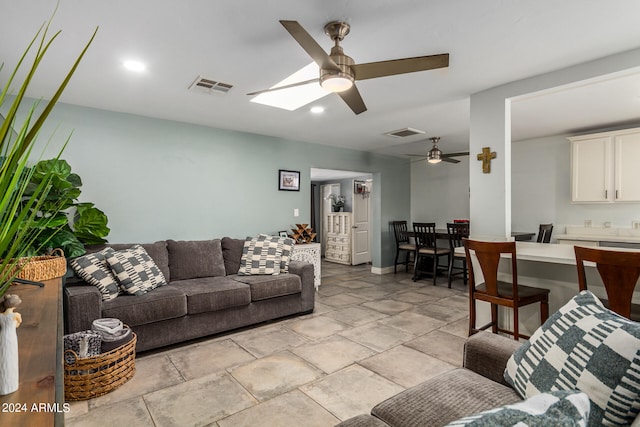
<point>295,97</point>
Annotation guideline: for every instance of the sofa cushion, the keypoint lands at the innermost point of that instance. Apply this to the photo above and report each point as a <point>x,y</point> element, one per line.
<point>207,294</point>
<point>445,398</point>
<point>166,302</point>
<point>135,271</point>
<point>232,254</point>
<point>268,286</point>
<point>587,347</point>
<point>364,420</point>
<point>557,408</point>
<point>195,258</point>
<point>261,255</point>
<point>93,269</point>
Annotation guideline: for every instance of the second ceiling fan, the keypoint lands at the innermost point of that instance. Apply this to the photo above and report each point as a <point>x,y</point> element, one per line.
<point>338,72</point>
<point>435,155</point>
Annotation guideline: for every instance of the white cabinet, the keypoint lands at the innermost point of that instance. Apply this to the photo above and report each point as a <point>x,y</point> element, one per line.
<point>604,167</point>
<point>338,240</point>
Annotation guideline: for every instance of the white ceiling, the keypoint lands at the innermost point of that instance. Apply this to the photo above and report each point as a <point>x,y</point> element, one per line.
<point>491,42</point>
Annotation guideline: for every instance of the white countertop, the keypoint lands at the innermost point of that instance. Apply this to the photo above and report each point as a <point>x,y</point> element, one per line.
<point>598,238</point>
<point>549,252</point>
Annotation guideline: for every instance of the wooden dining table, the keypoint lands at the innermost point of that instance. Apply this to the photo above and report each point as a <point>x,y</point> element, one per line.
<point>519,236</point>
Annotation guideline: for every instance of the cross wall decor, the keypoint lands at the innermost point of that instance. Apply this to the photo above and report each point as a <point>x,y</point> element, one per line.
<point>486,157</point>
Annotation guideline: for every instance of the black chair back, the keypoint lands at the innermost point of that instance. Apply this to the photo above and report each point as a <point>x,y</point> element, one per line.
<point>425,233</point>
<point>400,231</point>
<point>544,233</point>
<point>457,232</point>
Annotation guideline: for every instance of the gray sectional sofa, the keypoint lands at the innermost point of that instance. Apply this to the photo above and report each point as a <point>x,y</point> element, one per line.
<point>477,387</point>
<point>204,294</point>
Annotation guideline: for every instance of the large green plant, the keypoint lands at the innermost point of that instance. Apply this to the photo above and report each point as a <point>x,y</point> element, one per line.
<point>18,211</point>
<point>88,225</point>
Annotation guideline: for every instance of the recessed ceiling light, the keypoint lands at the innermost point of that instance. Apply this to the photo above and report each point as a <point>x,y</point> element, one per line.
<point>295,97</point>
<point>317,109</point>
<point>136,66</point>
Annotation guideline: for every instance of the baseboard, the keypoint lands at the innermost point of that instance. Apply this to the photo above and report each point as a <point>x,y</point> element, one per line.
<point>383,270</point>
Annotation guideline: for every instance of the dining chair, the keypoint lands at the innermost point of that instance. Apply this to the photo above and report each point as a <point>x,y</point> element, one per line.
<point>496,292</point>
<point>619,271</point>
<point>401,235</point>
<point>544,233</point>
<point>426,247</point>
<point>457,231</point>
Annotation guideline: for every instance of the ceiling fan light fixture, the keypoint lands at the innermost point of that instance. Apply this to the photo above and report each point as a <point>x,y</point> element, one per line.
<point>435,155</point>
<point>338,82</point>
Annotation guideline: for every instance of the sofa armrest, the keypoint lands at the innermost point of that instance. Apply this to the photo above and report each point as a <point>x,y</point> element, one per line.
<point>82,305</point>
<point>305,271</point>
<point>487,354</point>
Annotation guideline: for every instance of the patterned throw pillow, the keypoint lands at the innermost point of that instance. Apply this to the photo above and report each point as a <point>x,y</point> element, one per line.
<point>261,255</point>
<point>135,271</point>
<point>558,408</point>
<point>586,347</point>
<point>286,244</point>
<point>93,269</point>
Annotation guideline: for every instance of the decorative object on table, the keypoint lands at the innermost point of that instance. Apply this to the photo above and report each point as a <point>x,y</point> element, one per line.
<point>303,234</point>
<point>95,376</point>
<point>9,321</point>
<point>337,202</point>
<point>78,225</point>
<point>283,233</point>
<point>288,180</point>
<point>18,199</point>
<point>44,267</point>
<point>362,188</point>
<point>486,157</point>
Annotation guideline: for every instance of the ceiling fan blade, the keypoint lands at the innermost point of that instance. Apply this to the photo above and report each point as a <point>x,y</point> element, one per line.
<point>449,160</point>
<point>462,153</point>
<point>372,70</point>
<point>310,46</point>
<point>416,155</point>
<point>306,82</point>
<point>353,99</point>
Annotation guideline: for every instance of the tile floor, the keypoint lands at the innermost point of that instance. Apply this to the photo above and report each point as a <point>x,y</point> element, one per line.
<point>369,338</point>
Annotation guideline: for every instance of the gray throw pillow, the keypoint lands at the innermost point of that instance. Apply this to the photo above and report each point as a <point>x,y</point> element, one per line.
<point>190,259</point>
<point>93,269</point>
<point>586,347</point>
<point>261,255</point>
<point>135,271</point>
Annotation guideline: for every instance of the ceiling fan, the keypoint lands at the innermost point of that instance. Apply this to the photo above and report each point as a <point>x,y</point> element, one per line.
<point>338,72</point>
<point>435,155</point>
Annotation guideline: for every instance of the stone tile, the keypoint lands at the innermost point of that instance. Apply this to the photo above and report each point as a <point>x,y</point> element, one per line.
<point>77,408</point>
<point>152,373</point>
<point>275,374</point>
<point>351,391</point>
<point>131,412</point>
<point>388,306</point>
<point>326,290</point>
<point>317,327</point>
<point>405,366</point>
<point>371,294</point>
<point>290,409</point>
<point>321,309</point>
<point>341,300</point>
<point>458,328</point>
<point>441,312</point>
<point>414,297</point>
<point>356,284</point>
<point>198,402</point>
<point>356,316</point>
<point>437,291</point>
<point>458,301</point>
<point>377,337</point>
<point>442,345</point>
<point>413,323</point>
<point>208,358</point>
<point>267,340</point>
<point>333,354</point>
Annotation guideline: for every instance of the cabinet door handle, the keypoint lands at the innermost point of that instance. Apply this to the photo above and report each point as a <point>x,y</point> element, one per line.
<point>616,194</point>
<point>606,193</point>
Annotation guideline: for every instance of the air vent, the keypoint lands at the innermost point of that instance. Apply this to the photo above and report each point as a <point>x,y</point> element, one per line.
<point>209,86</point>
<point>403,133</point>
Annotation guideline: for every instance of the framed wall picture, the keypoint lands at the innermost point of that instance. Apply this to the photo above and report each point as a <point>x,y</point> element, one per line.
<point>283,233</point>
<point>288,180</point>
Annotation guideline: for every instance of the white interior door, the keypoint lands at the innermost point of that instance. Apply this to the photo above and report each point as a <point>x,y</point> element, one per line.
<point>361,236</point>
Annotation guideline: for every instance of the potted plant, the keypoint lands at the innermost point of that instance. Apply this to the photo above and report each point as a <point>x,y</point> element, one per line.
<point>63,222</point>
<point>20,203</point>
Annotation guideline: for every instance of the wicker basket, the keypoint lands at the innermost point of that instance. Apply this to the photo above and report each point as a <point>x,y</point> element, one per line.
<point>39,268</point>
<point>95,376</point>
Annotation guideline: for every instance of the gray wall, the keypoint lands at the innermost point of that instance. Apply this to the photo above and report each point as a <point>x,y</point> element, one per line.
<point>158,179</point>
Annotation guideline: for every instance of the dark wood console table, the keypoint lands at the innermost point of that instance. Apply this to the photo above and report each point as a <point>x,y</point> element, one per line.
<point>40,399</point>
